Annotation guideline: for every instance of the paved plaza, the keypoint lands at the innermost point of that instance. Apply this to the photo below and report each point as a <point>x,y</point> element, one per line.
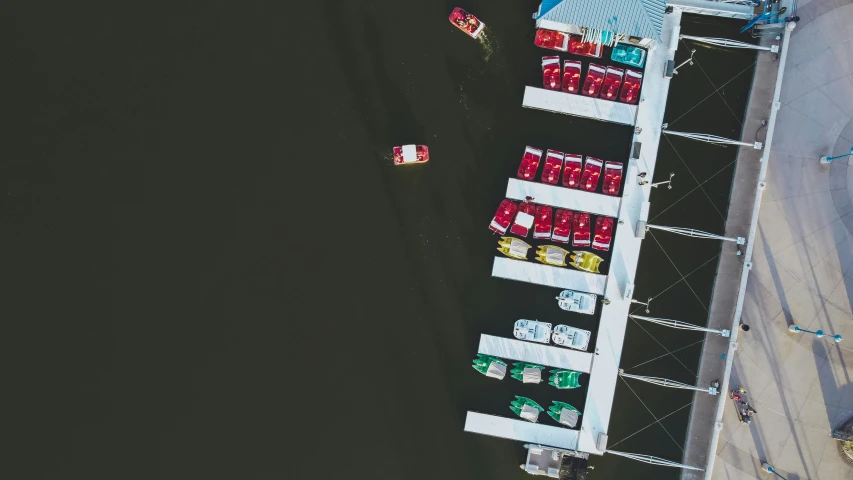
<point>802,269</point>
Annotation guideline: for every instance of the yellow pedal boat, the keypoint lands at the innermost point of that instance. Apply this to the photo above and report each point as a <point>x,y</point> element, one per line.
<point>552,255</point>
<point>586,261</point>
<point>513,247</point>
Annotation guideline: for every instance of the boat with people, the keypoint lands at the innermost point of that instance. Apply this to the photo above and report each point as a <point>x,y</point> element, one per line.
<point>513,248</point>
<point>581,235</point>
<point>571,337</point>
<point>542,223</point>
<point>410,154</point>
<point>612,82</point>
<point>587,49</point>
<point>526,408</point>
<point>571,76</point>
<point>551,72</point>
<point>585,261</point>
<point>612,178</point>
<point>503,217</point>
<point>466,22</point>
<point>562,225</point>
<point>629,55</point>
<point>529,163</point>
<point>553,166</point>
<point>603,233</point>
<point>564,379</point>
<point>594,78</point>
<point>552,40</point>
<point>523,219</point>
<point>630,92</point>
<point>580,302</point>
<point>532,331</point>
<point>591,173</point>
<point>552,255</point>
<point>572,170</point>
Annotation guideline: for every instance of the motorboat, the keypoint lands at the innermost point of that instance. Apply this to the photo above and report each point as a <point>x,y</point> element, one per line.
<point>411,154</point>
<point>563,379</point>
<point>552,255</point>
<point>630,92</point>
<point>603,233</point>
<point>513,248</point>
<point>629,55</point>
<point>571,76</point>
<point>564,414</point>
<point>591,173</point>
<point>572,170</point>
<point>466,22</point>
<point>504,215</point>
<point>526,408</point>
<point>553,166</point>
<point>527,372</point>
<point>571,337</point>
<point>493,367</point>
<point>562,225</point>
<point>612,82</point>
<point>523,219</point>
<point>594,77</point>
<point>612,178</point>
<point>579,302</point>
<point>588,49</point>
<point>552,40</point>
<point>551,72</point>
<point>586,261</point>
<point>529,163</point>
<point>532,331</point>
<point>542,222</point>
<point>581,236</point>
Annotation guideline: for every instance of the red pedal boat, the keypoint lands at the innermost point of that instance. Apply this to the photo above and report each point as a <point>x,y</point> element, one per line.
<point>612,178</point>
<point>572,170</point>
<point>594,77</point>
<point>580,238</point>
<point>466,22</point>
<point>411,154</point>
<point>603,233</point>
<point>529,163</point>
<point>552,40</point>
<point>571,76</point>
<point>612,82</point>
<point>587,49</point>
<point>631,88</point>
<point>506,211</point>
<point>562,226</point>
<point>551,72</point>
<point>523,219</point>
<point>542,224</point>
<point>591,172</point>
<point>553,166</point>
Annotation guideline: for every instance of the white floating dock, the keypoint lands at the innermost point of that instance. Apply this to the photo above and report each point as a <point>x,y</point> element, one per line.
<point>579,105</point>
<point>521,430</point>
<point>561,197</point>
<point>538,353</point>
<point>541,274</point>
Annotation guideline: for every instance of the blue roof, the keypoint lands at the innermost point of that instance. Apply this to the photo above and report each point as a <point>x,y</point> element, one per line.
<point>637,18</point>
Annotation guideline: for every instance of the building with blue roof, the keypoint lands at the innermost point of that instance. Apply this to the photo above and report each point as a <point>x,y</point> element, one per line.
<point>605,21</point>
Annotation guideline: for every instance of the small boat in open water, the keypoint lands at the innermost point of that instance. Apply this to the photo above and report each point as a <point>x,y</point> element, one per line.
<point>466,22</point>
<point>411,154</point>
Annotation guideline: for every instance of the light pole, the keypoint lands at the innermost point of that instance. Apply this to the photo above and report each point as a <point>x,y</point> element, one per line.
<point>643,303</point>
<point>819,333</point>
<point>825,159</point>
<point>769,469</point>
<point>667,182</point>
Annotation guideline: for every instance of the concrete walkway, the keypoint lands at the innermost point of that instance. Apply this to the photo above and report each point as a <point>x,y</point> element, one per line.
<point>802,269</point>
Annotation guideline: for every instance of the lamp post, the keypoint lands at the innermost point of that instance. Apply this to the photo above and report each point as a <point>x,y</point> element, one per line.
<point>825,159</point>
<point>668,183</point>
<point>818,333</point>
<point>769,469</point>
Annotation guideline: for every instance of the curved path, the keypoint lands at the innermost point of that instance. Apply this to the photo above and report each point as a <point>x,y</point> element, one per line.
<point>801,386</point>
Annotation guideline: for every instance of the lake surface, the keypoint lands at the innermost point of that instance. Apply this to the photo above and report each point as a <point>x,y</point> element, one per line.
<point>212,270</point>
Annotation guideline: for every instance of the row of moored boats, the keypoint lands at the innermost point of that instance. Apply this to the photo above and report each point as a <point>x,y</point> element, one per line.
<point>575,172</point>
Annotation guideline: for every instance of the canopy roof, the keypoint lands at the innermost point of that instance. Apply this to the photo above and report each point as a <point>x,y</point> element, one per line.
<point>637,18</point>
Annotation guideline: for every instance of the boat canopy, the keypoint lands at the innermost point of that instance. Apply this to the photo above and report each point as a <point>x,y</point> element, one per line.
<point>524,219</point>
<point>410,154</point>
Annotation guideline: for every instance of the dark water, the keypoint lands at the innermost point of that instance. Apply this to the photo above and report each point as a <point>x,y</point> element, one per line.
<point>211,270</point>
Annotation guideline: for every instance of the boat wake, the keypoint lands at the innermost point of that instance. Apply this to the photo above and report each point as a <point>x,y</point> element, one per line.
<point>489,45</point>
